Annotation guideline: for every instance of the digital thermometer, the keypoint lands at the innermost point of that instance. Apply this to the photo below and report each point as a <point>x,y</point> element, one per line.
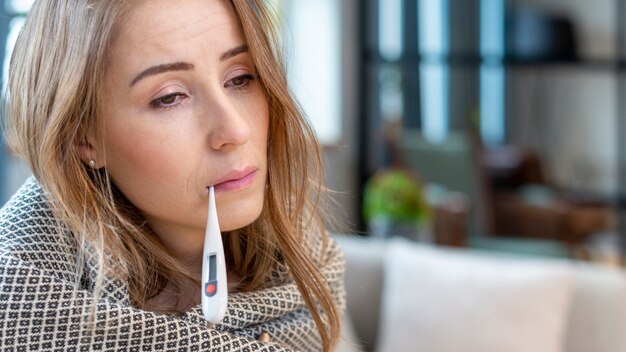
<point>214,284</point>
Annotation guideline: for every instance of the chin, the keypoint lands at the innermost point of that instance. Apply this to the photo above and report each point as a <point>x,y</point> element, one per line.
<point>237,217</point>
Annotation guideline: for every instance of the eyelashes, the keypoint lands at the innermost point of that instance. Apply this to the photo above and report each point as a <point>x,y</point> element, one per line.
<point>167,101</point>
<point>240,82</point>
<point>172,100</point>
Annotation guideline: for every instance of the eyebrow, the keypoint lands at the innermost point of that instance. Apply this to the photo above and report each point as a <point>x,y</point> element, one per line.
<point>234,52</point>
<point>155,70</point>
<point>184,66</point>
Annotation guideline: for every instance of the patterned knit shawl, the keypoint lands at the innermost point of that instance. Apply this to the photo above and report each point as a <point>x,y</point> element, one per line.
<point>40,309</point>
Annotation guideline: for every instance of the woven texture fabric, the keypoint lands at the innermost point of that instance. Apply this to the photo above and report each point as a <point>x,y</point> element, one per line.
<point>40,309</point>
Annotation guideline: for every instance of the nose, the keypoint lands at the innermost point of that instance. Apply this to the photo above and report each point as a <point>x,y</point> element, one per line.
<point>229,126</point>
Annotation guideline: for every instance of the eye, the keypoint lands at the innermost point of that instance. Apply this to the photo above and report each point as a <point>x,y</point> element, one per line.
<point>240,82</point>
<point>167,101</point>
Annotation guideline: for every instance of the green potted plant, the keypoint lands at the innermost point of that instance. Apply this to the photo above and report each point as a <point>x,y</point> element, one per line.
<point>394,204</point>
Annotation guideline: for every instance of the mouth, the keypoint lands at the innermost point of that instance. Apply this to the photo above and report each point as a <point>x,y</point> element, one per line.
<point>236,179</point>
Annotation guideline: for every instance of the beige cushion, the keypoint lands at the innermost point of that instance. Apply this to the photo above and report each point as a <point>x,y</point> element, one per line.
<point>349,342</point>
<point>451,300</point>
<point>597,319</point>
<point>364,280</point>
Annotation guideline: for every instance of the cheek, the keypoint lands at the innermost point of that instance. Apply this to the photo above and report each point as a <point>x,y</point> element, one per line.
<point>260,124</point>
<point>140,159</point>
<point>128,150</point>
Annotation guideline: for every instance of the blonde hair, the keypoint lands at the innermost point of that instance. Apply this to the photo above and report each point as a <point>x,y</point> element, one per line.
<point>52,108</point>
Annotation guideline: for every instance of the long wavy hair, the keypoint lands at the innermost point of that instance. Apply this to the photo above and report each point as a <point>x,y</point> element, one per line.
<point>52,106</point>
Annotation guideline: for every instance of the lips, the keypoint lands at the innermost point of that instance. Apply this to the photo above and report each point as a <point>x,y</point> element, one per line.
<point>236,179</point>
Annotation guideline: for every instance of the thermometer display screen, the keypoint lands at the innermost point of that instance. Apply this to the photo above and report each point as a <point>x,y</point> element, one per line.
<point>212,267</point>
<point>210,288</point>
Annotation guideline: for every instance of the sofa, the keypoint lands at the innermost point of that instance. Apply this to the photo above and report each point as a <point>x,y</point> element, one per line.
<point>406,296</point>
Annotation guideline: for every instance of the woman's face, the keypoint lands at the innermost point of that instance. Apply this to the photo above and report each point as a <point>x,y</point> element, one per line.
<point>183,111</point>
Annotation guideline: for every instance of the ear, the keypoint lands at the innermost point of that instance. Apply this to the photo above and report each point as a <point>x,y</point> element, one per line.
<point>88,153</point>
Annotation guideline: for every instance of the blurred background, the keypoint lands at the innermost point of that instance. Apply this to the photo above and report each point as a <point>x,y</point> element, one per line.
<point>507,118</point>
<point>491,124</point>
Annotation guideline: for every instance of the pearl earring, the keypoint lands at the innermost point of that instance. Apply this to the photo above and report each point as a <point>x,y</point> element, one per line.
<point>92,164</point>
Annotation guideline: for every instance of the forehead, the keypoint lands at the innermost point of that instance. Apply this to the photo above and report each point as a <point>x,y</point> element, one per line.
<point>170,25</point>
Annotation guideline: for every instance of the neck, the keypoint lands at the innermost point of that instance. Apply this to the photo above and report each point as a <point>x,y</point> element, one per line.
<point>185,244</point>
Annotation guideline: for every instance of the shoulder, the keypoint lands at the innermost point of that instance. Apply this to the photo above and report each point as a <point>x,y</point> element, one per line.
<point>30,232</point>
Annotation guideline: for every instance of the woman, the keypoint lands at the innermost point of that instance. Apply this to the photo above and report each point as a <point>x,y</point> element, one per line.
<point>126,111</point>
